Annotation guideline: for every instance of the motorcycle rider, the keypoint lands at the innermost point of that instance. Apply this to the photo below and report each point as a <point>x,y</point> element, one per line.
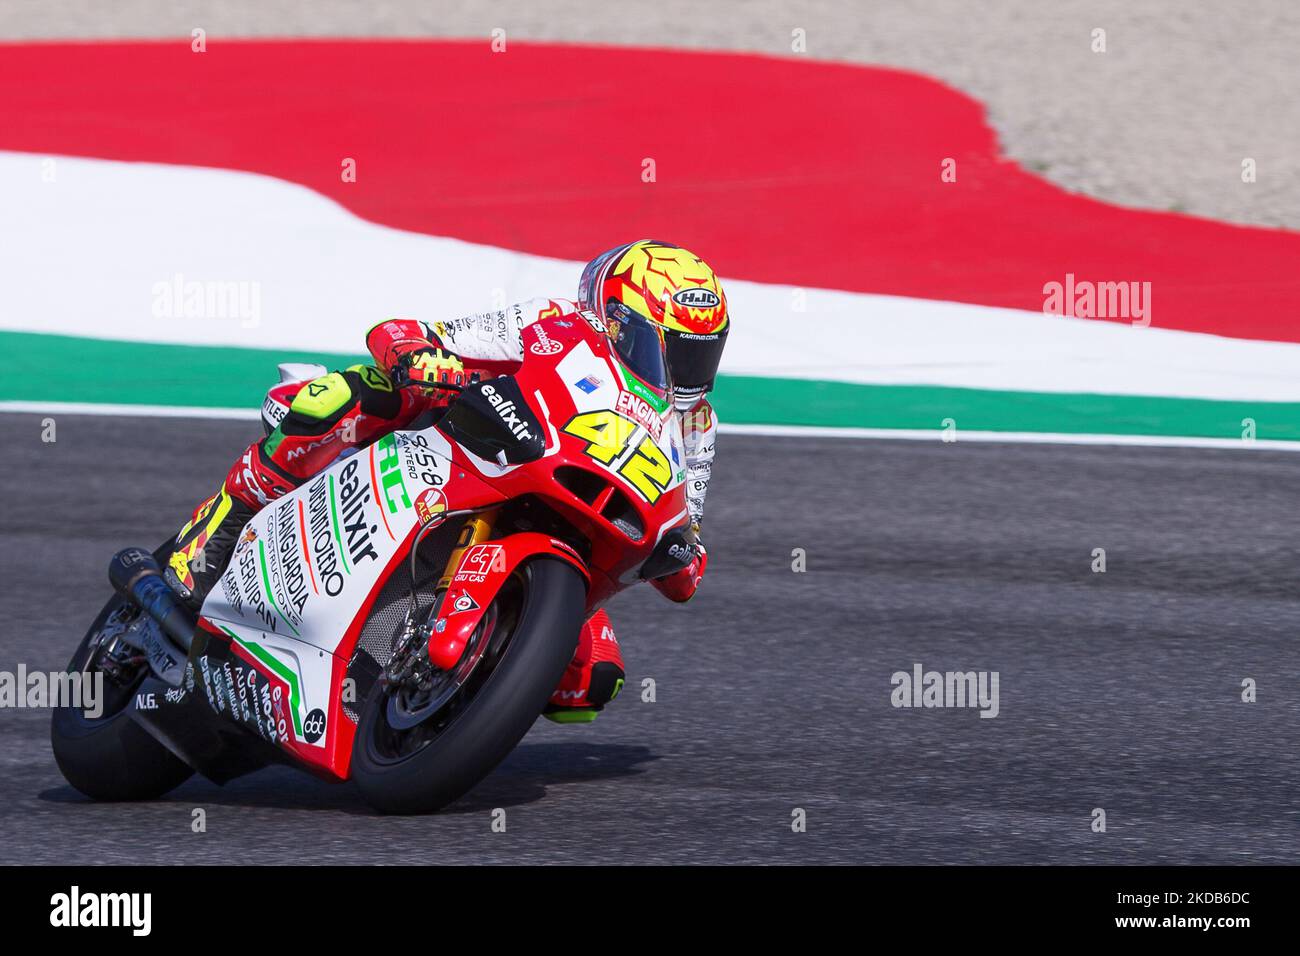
<point>631,288</point>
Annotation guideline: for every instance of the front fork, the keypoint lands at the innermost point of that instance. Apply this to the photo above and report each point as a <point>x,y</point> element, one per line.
<point>477,529</point>
<point>406,662</point>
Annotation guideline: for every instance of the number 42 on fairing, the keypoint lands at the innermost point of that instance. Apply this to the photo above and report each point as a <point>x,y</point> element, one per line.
<point>608,434</point>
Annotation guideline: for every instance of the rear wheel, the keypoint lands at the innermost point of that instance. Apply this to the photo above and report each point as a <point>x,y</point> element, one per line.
<point>111,757</point>
<point>415,752</point>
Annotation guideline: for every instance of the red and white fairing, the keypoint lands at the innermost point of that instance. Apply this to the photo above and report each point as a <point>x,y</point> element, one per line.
<point>309,566</point>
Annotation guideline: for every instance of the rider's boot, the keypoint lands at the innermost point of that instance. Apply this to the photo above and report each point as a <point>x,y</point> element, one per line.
<point>594,676</point>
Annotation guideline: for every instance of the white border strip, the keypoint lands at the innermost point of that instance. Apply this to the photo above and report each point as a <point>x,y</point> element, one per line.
<point>784,431</point>
<point>130,411</point>
<point>114,226</point>
<point>1026,438</point>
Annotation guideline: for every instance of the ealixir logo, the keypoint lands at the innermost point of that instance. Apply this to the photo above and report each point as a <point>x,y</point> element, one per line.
<point>76,909</point>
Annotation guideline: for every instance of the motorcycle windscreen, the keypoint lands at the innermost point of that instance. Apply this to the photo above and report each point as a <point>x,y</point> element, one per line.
<point>639,343</point>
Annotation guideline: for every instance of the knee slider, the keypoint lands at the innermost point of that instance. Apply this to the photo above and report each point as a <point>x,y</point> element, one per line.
<point>319,404</point>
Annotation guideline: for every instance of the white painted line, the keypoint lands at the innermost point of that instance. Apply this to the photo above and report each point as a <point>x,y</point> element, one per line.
<point>783,431</point>
<point>129,411</point>
<point>1028,438</point>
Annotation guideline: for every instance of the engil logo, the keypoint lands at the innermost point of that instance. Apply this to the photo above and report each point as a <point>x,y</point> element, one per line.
<point>1098,300</point>
<point>74,908</point>
<point>209,299</point>
<point>56,689</point>
<point>922,688</point>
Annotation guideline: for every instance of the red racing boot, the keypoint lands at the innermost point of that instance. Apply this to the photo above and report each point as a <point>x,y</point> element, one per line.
<point>594,676</point>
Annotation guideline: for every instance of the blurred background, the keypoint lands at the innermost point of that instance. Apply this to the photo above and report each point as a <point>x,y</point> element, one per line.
<point>893,191</point>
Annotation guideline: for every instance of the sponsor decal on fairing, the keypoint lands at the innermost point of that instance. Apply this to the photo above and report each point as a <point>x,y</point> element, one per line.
<point>545,345</point>
<point>430,506</point>
<point>507,409</point>
<point>640,411</point>
<point>479,562</point>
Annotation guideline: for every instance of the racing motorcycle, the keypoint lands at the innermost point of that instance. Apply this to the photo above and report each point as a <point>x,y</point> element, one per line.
<point>402,618</point>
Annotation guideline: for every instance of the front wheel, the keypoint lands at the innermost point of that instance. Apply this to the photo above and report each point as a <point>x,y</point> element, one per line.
<point>531,633</point>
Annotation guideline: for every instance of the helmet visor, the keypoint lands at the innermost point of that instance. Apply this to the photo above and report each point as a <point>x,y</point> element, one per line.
<point>694,358</point>
<point>640,345</point>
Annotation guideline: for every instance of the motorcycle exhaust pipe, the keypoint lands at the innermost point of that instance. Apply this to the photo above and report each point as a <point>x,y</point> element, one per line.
<point>135,574</point>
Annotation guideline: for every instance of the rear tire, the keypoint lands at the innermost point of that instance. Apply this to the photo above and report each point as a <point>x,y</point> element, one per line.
<point>493,716</point>
<point>111,757</point>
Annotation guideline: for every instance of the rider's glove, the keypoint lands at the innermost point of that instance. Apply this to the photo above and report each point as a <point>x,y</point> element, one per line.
<point>680,585</point>
<point>431,366</point>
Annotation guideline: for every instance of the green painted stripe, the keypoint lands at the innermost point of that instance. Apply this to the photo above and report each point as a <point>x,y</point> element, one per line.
<point>280,669</point>
<point>779,401</point>
<point>221,377</point>
<point>68,369</point>
<point>266,583</point>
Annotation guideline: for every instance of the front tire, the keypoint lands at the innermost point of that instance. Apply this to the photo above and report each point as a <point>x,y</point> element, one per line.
<point>423,769</point>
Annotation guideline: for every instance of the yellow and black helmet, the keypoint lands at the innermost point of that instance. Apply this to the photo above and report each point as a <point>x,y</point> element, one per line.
<point>676,295</point>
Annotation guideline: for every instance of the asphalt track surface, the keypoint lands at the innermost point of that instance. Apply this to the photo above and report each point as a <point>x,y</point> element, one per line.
<point>1118,690</point>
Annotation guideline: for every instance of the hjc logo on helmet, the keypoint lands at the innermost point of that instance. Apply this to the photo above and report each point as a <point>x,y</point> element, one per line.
<point>697,299</point>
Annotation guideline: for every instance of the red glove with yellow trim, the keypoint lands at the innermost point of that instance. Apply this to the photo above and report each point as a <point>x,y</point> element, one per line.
<point>431,366</point>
